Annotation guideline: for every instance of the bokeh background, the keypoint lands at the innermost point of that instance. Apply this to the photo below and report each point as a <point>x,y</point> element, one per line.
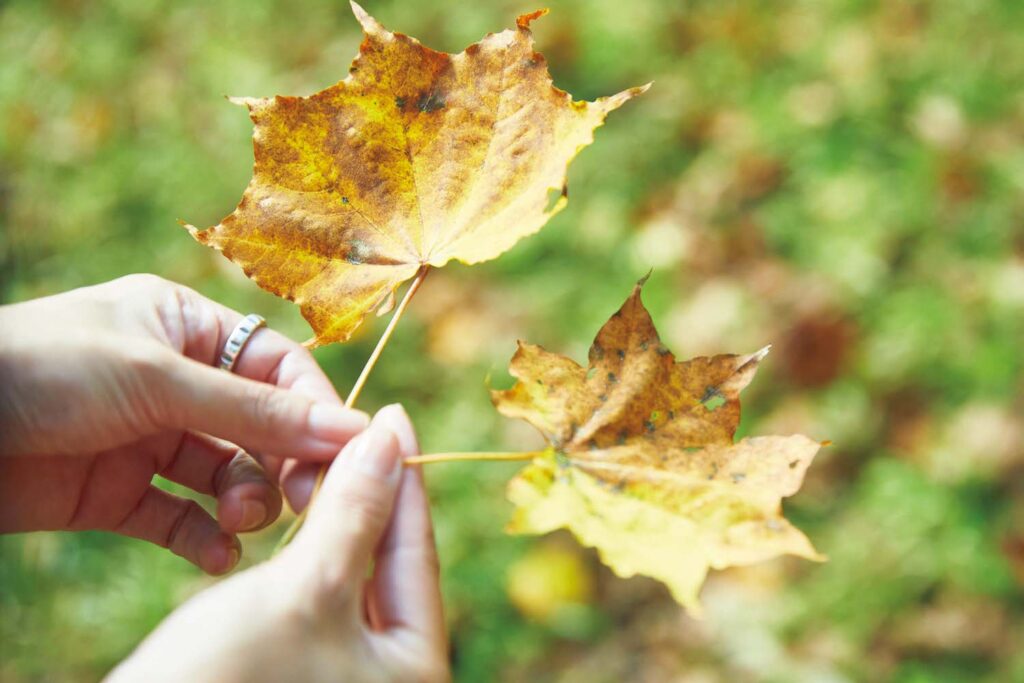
<point>841,178</point>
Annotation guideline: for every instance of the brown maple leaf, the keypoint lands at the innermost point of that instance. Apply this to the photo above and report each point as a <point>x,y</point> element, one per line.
<point>418,157</point>
<point>642,463</point>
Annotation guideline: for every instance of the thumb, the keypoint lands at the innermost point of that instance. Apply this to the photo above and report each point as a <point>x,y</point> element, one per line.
<point>349,516</point>
<point>259,417</point>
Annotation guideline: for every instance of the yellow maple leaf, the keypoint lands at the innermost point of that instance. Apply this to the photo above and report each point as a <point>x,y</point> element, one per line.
<point>642,463</point>
<point>416,158</point>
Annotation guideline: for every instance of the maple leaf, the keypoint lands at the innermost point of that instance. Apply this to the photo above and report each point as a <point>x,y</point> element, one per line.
<point>642,463</point>
<point>416,158</point>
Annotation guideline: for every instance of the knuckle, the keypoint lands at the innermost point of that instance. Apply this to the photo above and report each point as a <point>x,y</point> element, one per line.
<point>331,589</point>
<point>178,535</point>
<point>150,369</point>
<point>146,282</point>
<point>362,511</point>
<point>147,361</point>
<point>272,407</point>
<point>317,589</point>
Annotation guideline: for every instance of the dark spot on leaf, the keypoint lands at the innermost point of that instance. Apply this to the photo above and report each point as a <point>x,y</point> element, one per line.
<point>793,464</point>
<point>356,253</point>
<point>612,378</point>
<point>536,59</point>
<point>671,414</point>
<point>400,102</point>
<point>597,351</point>
<point>649,426</point>
<point>712,399</point>
<point>663,350</point>
<point>592,444</point>
<point>622,354</point>
<point>429,102</point>
<point>344,200</point>
<point>619,486</point>
<point>644,345</point>
<point>622,437</point>
<point>602,398</point>
<point>540,382</point>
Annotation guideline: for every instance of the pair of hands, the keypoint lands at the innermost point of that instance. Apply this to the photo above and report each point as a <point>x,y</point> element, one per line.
<point>104,387</point>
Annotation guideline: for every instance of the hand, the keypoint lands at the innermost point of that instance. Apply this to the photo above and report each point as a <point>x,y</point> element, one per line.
<point>310,614</point>
<point>104,387</point>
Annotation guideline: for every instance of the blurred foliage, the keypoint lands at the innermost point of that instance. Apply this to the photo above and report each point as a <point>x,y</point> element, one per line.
<point>842,178</point>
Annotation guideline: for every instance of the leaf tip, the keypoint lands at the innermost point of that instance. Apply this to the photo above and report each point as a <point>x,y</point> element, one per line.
<point>193,230</point>
<point>761,353</point>
<point>613,102</point>
<point>523,20</point>
<point>370,25</point>
<point>358,10</point>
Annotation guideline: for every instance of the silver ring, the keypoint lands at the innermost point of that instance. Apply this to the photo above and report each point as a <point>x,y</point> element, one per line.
<point>237,340</point>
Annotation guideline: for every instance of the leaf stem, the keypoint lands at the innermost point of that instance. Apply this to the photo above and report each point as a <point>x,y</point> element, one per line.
<point>454,457</point>
<point>357,388</point>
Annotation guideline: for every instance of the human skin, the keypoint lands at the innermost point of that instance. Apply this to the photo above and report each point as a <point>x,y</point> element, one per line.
<point>104,387</point>
<point>310,613</point>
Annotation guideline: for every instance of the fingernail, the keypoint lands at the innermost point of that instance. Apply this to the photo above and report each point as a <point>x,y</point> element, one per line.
<point>394,418</point>
<point>254,513</point>
<point>234,555</point>
<point>221,555</point>
<point>376,453</point>
<point>334,423</point>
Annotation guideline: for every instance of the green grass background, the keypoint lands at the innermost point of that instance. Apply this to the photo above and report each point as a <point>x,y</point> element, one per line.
<point>841,178</point>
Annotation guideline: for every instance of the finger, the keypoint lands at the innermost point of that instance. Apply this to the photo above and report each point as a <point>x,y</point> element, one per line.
<point>298,479</point>
<point>184,528</point>
<point>406,591</point>
<point>254,415</point>
<point>246,499</point>
<point>268,357</point>
<point>271,465</point>
<point>349,516</point>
